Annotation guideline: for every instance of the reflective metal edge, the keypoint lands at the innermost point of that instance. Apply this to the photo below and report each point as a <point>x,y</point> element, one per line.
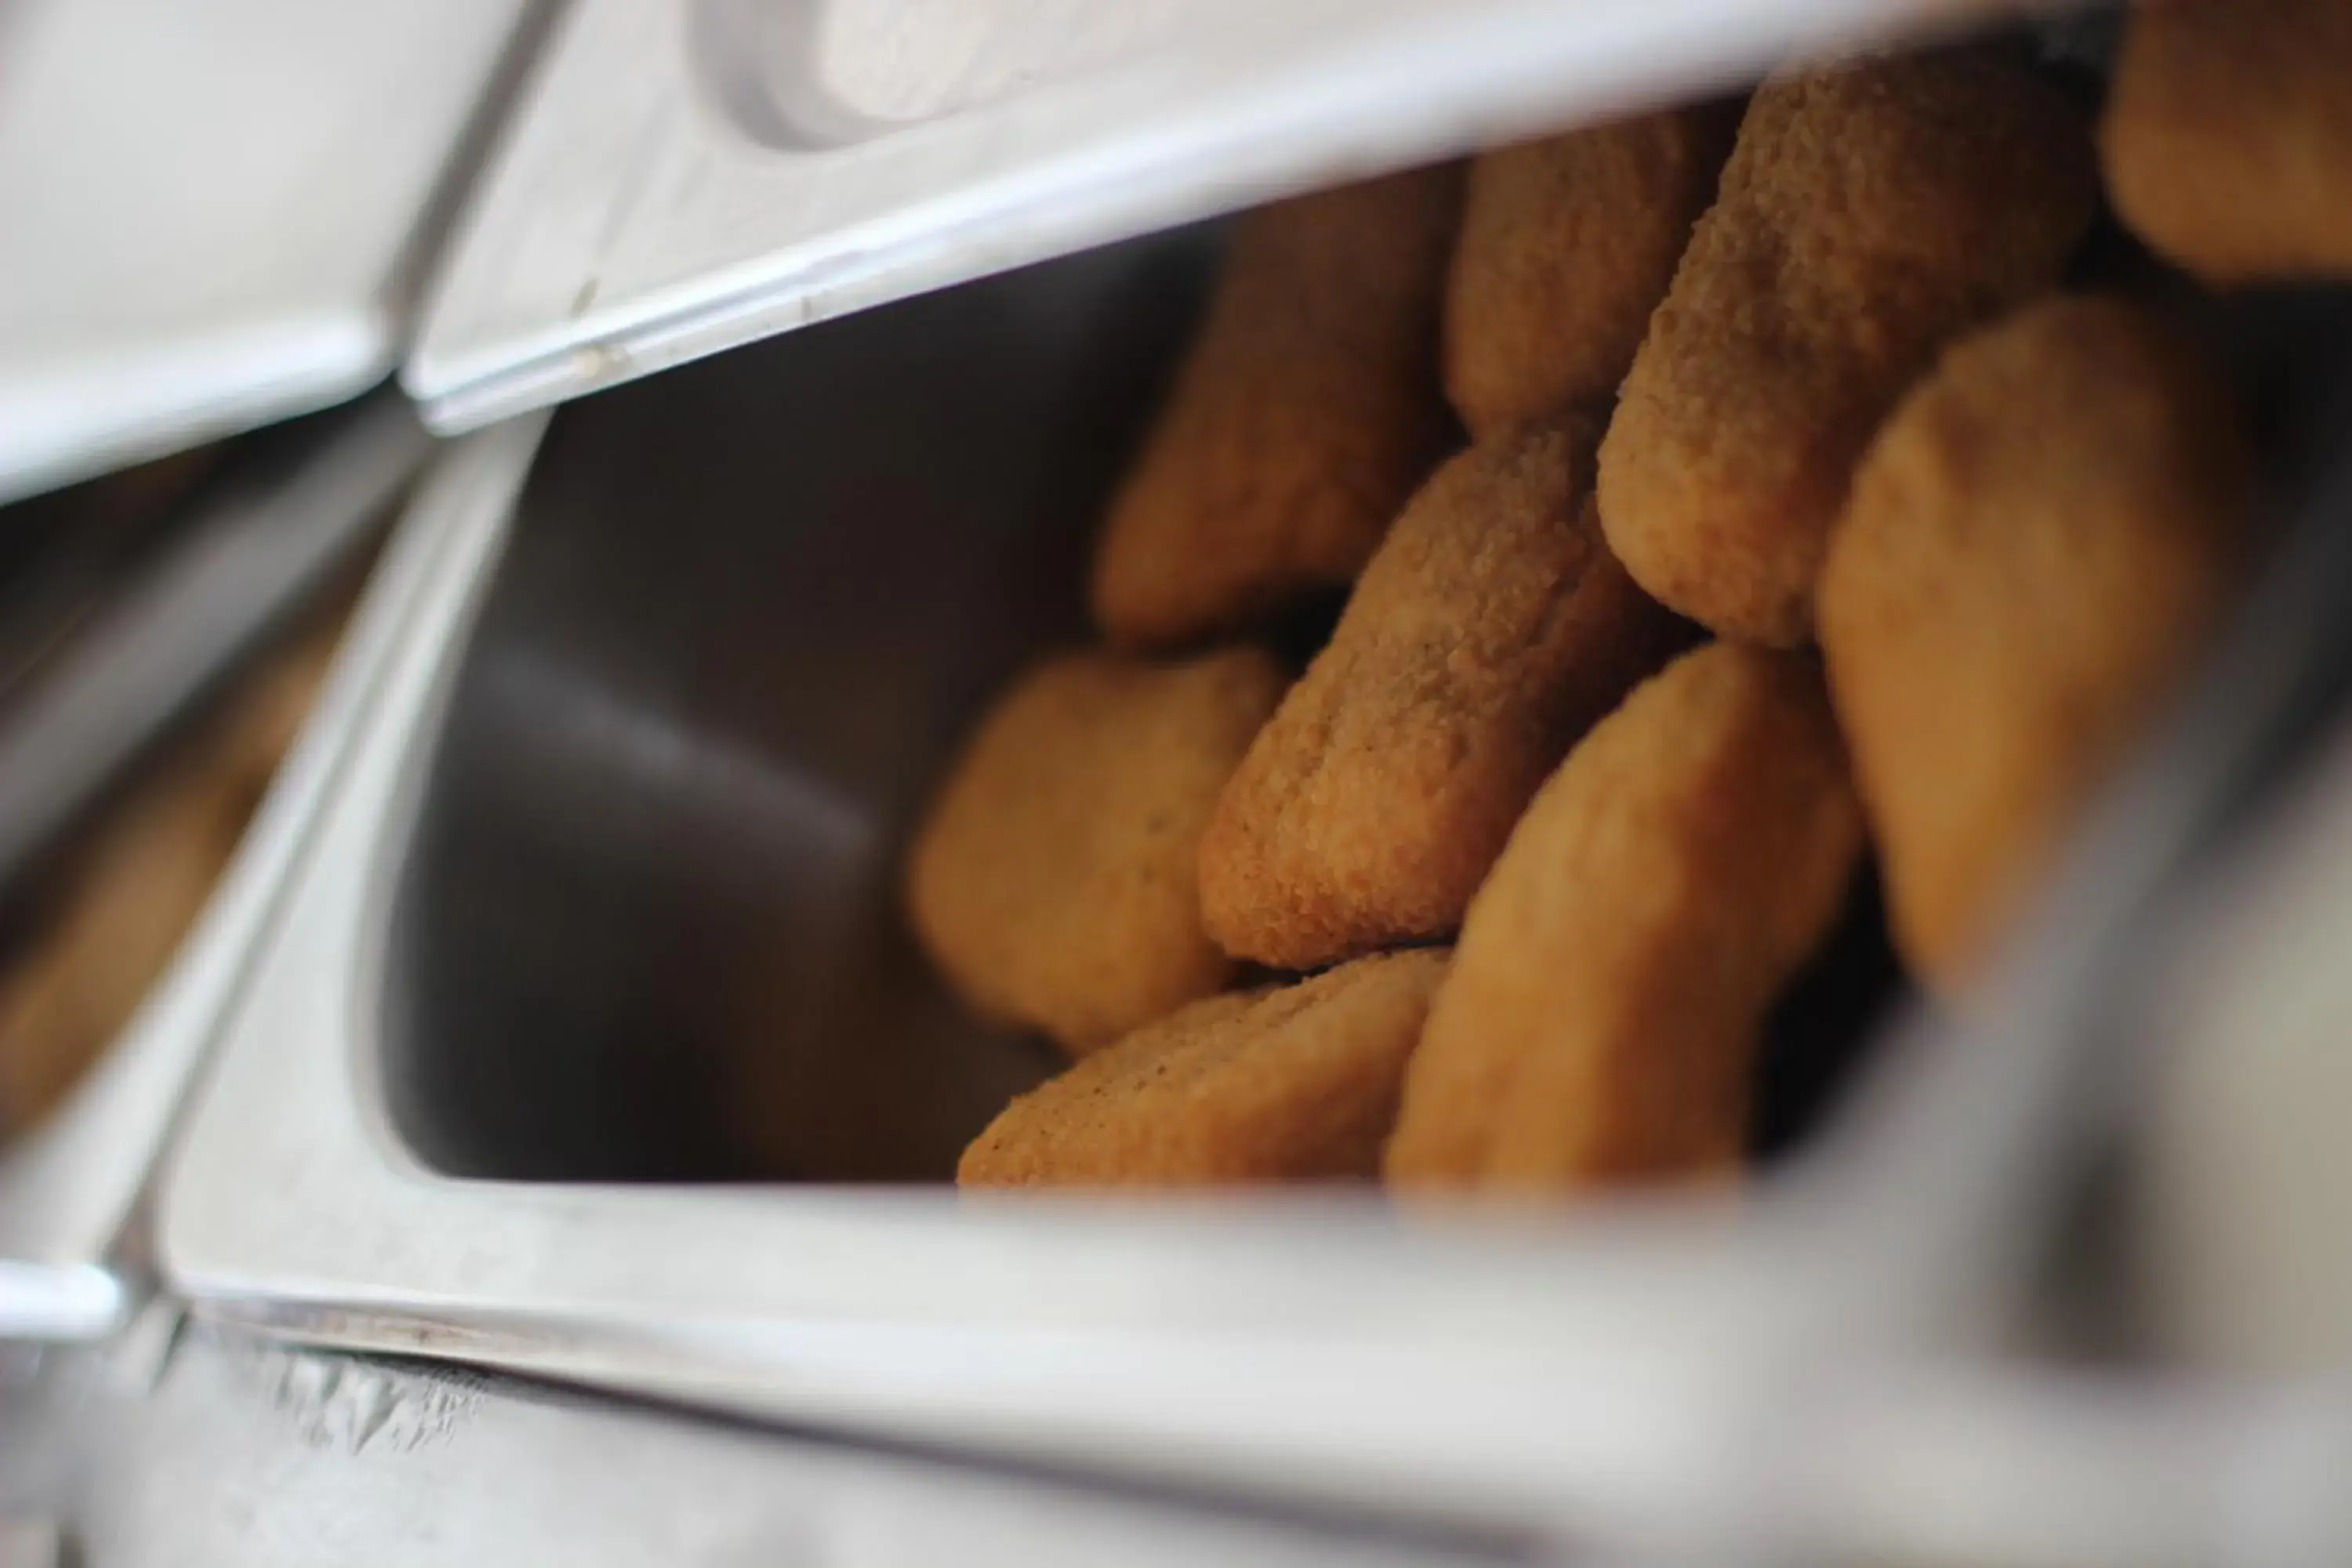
<point>203,1447</point>
<point>68,1188</point>
<point>633,220</point>
<point>217,214</point>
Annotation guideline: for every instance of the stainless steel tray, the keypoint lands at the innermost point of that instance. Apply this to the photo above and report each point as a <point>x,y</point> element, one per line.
<point>69,1188</point>
<point>216,213</point>
<point>629,796</point>
<point>683,177</point>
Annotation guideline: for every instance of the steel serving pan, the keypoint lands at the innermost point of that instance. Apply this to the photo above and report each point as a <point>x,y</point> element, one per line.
<point>625,815</point>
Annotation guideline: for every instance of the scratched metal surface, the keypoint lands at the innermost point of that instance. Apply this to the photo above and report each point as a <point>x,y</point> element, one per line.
<point>190,1446</point>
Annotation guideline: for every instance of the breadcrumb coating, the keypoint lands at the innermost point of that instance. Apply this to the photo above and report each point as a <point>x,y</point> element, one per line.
<point>2036,544</point>
<point>1307,411</point>
<point>1492,628</point>
<point>1055,880</point>
<point>1869,211</point>
<point>1292,1083</point>
<point>1602,1017</point>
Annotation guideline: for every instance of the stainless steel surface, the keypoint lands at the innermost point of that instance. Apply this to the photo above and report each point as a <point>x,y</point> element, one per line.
<point>53,1301</point>
<point>664,817</point>
<point>251,558</point>
<point>188,1445</point>
<point>210,1448</point>
<point>68,1188</point>
<point>627,808</point>
<point>2243,1162</point>
<point>213,211</point>
<point>681,178</point>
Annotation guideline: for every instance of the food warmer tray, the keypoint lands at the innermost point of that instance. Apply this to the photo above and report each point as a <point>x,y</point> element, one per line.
<point>625,788</point>
<point>579,712</point>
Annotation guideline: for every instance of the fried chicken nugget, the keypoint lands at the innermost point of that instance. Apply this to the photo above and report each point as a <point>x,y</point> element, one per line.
<point>2034,544</point>
<point>1567,246</point>
<point>1305,413</point>
<point>1493,627</point>
<point>2227,135</point>
<point>1868,213</point>
<point>1614,974</point>
<point>1285,1083</point>
<point>1054,881</point>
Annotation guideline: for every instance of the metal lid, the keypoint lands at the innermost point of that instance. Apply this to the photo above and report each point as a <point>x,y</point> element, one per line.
<point>212,210</point>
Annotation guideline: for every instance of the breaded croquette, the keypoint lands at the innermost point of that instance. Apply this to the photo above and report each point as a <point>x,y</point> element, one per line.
<point>1055,881</point>
<point>1567,246</point>
<point>1303,415</point>
<point>1286,1083</point>
<point>2228,136</point>
<point>2034,544</point>
<point>1868,213</point>
<point>1611,983</point>
<point>1493,627</point>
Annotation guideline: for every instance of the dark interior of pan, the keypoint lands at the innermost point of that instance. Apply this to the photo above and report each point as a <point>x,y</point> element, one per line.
<point>649,922</point>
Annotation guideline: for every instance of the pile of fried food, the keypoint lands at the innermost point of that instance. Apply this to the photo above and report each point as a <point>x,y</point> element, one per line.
<point>1815,507</point>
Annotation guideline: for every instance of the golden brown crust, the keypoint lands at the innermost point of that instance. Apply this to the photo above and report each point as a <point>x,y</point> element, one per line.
<point>1493,627</point>
<point>1613,972</point>
<point>2227,135</point>
<point>1304,413</point>
<point>1867,214</point>
<point>1054,881</point>
<point>1567,245</point>
<point>1287,1083</point>
<point>2034,544</point>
